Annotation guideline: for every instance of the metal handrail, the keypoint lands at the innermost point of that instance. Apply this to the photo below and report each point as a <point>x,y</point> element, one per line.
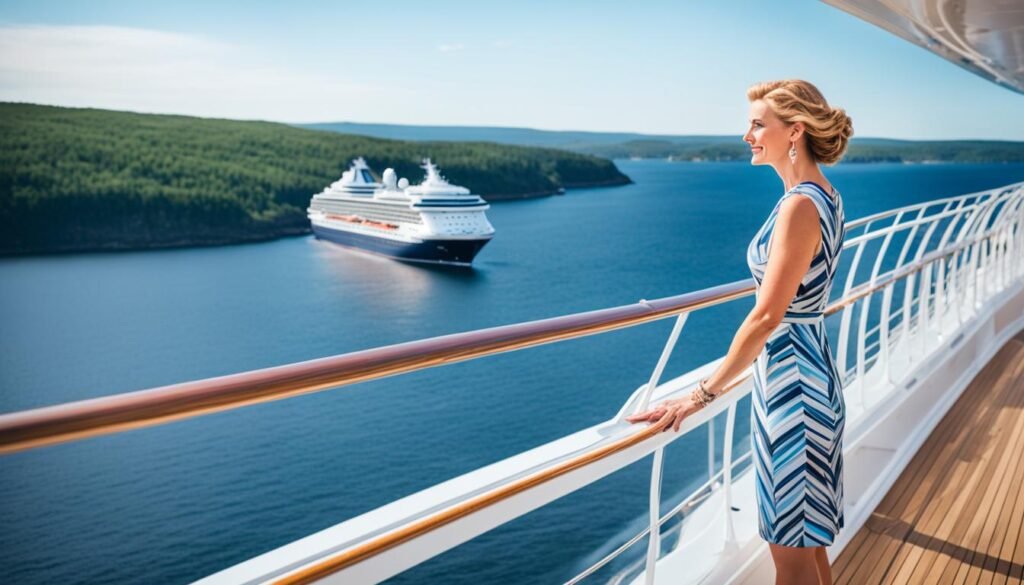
<point>99,416</point>
<point>917,206</point>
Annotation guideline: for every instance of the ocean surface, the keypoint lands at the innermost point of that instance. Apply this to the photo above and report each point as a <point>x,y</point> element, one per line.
<point>176,502</point>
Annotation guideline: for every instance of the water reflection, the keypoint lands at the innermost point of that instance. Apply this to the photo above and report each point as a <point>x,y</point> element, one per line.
<point>385,284</point>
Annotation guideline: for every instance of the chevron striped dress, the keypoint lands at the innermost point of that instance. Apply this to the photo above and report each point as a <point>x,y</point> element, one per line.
<point>797,408</point>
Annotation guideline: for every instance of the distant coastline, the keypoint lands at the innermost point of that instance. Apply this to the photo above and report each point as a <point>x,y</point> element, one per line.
<point>695,148</point>
<point>86,179</point>
<point>852,161</point>
<point>76,180</point>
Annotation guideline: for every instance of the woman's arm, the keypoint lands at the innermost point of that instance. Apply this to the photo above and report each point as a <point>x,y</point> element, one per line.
<point>793,244</point>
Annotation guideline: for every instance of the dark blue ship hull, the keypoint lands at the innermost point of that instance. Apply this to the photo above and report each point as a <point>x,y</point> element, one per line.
<point>459,252</point>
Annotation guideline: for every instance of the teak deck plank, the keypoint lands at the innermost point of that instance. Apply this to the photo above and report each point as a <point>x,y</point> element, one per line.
<point>956,512</point>
<point>974,526</point>
<point>876,546</point>
<point>988,466</point>
<point>902,505</point>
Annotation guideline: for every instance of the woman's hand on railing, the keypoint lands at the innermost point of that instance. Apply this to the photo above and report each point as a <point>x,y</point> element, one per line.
<point>671,413</point>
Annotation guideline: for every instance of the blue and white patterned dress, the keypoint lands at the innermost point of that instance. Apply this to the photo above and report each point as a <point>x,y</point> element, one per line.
<point>797,408</point>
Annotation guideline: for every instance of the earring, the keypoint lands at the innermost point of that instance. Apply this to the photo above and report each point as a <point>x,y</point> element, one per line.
<point>792,153</point>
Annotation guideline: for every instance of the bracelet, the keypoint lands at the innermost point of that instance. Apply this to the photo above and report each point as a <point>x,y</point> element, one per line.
<point>701,395</point>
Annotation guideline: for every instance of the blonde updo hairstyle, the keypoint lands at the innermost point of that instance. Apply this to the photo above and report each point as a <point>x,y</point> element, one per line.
<point>828,130</point>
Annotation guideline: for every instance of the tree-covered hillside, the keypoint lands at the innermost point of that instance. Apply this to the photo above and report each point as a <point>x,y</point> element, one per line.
<point>77,179</point>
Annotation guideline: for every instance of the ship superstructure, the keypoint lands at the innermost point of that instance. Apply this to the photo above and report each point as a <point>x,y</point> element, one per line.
<point>434,222</point>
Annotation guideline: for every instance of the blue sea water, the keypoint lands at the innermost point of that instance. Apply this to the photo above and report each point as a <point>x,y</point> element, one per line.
<point>176,502</point>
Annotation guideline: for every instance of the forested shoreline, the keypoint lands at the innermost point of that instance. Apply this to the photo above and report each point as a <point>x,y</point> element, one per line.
<point>860,151</point>
<point>87,179</point>
<point>685,148</point>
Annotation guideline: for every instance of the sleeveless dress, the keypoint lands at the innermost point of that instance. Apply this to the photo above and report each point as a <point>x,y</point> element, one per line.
<point>797,407</point>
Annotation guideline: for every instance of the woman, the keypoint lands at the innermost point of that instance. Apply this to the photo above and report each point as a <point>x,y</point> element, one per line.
<point>798,411</point>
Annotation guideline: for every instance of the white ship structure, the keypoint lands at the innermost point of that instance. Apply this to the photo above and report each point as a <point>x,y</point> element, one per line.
<point>434,222</point>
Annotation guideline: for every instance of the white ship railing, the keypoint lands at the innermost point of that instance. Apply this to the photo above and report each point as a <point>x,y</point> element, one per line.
<point>906,275</point>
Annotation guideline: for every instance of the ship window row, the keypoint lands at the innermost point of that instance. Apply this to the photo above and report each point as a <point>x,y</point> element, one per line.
<point>471,220</point>
<point>383,208</point>
<point>341,205</point>
<point>368,212</point>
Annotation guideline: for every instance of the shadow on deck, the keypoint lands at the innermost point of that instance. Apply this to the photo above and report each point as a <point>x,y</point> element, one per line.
<point>955,514</point>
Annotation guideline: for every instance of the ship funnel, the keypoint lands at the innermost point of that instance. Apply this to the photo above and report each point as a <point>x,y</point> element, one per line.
<point>389,179</point>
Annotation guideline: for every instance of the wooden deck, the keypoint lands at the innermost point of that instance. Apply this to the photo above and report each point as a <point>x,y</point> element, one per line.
<point>955,514</point>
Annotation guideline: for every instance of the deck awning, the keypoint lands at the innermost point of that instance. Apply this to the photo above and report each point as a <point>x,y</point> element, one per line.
<point>986,37</point>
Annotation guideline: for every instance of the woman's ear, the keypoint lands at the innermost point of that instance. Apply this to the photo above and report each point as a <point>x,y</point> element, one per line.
<point>796,131</point>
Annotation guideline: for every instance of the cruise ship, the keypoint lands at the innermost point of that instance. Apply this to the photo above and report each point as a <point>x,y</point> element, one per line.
<point>433,222</point>
<point>928,322</point>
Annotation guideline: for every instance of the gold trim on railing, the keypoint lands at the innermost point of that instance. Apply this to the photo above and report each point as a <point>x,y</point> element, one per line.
<point>373,547</point>
<point>100,416</point>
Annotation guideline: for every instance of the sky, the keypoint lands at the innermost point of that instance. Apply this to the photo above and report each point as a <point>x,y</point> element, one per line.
<point>676,67</point>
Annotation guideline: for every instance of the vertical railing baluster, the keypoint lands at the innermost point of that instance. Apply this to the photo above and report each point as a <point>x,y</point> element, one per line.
<point>654,537</point>
<point>954,287</point>
<point>730,528</point>
<point>711,450</point>
<point>982,272</point>
<point>925,275</point>
<point>844,327</point>
<point>654,505</point>
<point>666,352</point>
<point>908,284</point>
<point>865,308</point>
<point>908,299</point>
<point>922,307</point>
<point>947,269</point>
<point>940,298</point>
<point>863,321</point>
<point>884,331</point>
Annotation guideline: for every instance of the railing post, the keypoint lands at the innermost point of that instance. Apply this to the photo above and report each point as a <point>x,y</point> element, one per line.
<point>922,307</point>
<point>865,309</point>
<point>883,332</point>
<point>730,529</point>
<point>654,505</point>
<point>985,259</point>
<point>908,304</point>
<point>908,285</point>
<point>844,327</point>
<point>666,352</point>
<point>958,296</point>
<point>711,449</point>
<point>941,301</point>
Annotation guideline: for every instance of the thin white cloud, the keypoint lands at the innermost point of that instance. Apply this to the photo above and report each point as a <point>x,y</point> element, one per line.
<point>451,47</point>
<point>155,71</point>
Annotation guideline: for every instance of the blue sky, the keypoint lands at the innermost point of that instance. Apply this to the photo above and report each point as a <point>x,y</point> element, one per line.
<point>677,67</point>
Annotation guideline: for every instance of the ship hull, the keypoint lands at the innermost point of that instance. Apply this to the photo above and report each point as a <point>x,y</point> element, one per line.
<point>441,251</point>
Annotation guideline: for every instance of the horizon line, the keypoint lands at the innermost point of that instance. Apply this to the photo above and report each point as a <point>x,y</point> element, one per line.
<point>470,126</point>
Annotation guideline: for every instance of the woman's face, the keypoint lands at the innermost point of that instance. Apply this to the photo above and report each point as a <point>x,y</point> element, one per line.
<point>768,136</point>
